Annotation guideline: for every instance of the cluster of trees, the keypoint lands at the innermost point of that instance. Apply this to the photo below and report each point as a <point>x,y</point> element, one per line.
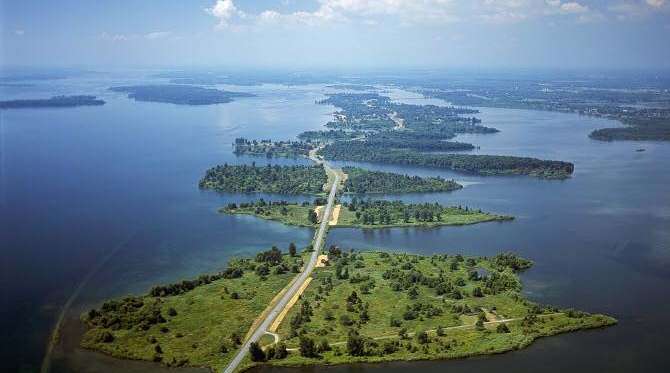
<point>330,135</point>
<point>509,260</point>
<point>271,148</point>
<point>257,354</point>
<point>362,181</point>
<point>383,212</point>
<point>266,179</point>
<point>127,313</point>
<point>234,270</point>
<point>56,101</point>
<point>485,164</point>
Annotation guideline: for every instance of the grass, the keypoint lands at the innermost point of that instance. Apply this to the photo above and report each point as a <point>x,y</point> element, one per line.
<point>205,319</point>
<point>329,303</point>
<point>294,214</point>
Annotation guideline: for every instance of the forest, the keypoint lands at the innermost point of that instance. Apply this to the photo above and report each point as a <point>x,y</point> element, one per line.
<point>361,181</point>
<point>483,164</point>
<point>265,179</point>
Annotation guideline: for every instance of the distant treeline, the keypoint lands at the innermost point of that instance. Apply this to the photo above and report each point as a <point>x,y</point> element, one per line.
<point>56,101</point>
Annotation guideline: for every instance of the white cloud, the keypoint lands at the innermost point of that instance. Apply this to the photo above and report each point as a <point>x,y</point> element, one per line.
<point>226,12</point>
<point>637,9</point>
<point>404,12</point>
<point>155,35</point>
<point>19,32</point>
<point>655,3</point>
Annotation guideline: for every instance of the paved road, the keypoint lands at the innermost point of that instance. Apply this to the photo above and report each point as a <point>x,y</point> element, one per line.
<point>258,333</point>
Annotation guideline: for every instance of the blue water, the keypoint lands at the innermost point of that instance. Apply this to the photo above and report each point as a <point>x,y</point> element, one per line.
<point>77,184</point>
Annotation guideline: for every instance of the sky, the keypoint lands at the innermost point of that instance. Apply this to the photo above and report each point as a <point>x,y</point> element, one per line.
<point>629,34</point>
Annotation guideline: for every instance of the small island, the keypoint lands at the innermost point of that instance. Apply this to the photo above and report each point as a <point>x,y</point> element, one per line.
<point>179,94</point>
<point>365,213</point>
<point>55,102</point>
<point>355,307</point>
<point>266,179</point>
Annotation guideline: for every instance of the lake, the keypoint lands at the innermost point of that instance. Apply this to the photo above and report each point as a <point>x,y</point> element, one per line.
<point>108,195</point>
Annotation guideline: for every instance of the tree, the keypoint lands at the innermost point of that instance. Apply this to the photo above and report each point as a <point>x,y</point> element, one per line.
<point>235,338</point>
<point>172,311</point>
<point>280,351</point>
<point>402,333</point>
<point>292,249</point>
<point>479,325</point>
<point>324,346</point>
<point>502,328</point>
<point>439,331</point>
<point>307,347</point>
<point>256,352</point>
<point>422,337</point>
<point>355,344</point>
<point>477,292</point>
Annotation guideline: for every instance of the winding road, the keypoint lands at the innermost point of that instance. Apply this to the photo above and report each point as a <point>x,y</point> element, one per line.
<point>269,319</point>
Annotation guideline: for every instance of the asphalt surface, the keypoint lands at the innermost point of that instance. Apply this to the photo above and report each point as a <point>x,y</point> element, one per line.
<point>258,333</point>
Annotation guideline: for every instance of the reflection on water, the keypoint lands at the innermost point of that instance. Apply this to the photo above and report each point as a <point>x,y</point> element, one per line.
<point>79,182</point>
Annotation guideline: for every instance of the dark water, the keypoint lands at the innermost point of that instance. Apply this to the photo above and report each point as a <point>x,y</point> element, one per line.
<point>79,183</point>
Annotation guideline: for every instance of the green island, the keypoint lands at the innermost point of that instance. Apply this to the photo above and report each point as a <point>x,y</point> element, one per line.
<point>376,306</point>
<point>266,179</point>
<point>365,213</point>
<point>179,94</point>
<point>361,181</point>
<point>357,307</point>
<point>199,322</point>
<point>271,148</point>
<point>483,164</point>
<point>55,101</point>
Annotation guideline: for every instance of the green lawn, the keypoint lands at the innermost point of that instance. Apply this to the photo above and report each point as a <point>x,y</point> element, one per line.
<point>206,317</point>
<point>388,284</point>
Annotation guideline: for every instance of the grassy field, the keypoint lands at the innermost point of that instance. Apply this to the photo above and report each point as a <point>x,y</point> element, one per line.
<point>375,214</point>
<point>289,213</point>
<point>417,294</point>
<point>198,325</point>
